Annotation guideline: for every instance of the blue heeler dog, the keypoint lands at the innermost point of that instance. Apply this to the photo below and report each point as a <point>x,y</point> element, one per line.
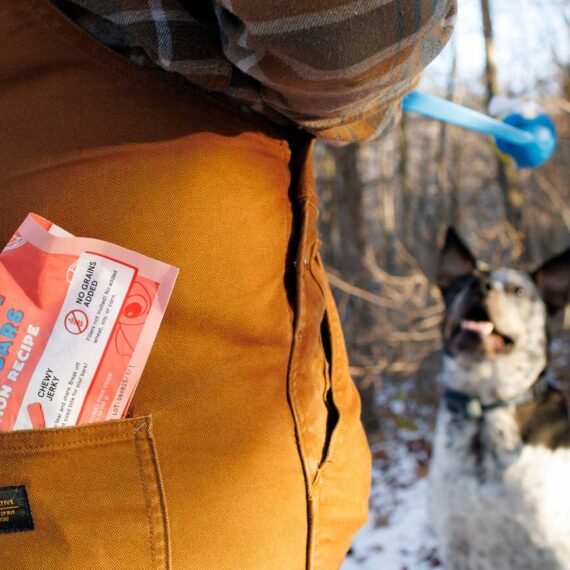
<point>500,475</point>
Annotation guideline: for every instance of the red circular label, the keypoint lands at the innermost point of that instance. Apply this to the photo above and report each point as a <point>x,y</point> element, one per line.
<point>76,321</point>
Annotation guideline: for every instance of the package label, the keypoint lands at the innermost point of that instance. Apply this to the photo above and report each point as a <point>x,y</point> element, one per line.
<point>78,318</point>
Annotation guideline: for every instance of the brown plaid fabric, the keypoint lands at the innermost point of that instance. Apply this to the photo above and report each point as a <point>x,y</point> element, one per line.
<point>337,68</point>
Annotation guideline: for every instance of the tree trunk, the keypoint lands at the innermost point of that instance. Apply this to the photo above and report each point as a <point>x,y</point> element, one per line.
<point>513,199</point>
<point>406,229</point>
<point>388,195</point>
<point>350,197</point>
<point>444,184</point>
<point>349,191</point>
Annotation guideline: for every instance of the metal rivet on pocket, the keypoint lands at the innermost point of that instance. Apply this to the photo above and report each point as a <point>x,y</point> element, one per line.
<point>305,262</point>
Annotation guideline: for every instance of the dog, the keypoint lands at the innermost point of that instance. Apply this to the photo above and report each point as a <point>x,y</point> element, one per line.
<point>500,472</point>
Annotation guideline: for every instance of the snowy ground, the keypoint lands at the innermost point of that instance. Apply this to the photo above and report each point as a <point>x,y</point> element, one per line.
<point>406,542</point>
<point>398,534</point>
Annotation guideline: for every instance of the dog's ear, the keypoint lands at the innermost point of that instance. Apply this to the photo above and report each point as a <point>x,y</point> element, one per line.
<point>553,281</point>
<point>455,260</point>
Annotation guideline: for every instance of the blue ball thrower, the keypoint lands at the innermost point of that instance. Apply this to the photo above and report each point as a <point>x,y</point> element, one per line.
<point>530,141</point>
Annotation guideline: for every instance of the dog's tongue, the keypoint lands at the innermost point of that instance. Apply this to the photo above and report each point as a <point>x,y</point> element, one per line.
<point>484,328</point>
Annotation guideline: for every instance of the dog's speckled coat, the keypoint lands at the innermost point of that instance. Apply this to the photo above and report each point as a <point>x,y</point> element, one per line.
<point>507,508</point>
<point>499,502</point>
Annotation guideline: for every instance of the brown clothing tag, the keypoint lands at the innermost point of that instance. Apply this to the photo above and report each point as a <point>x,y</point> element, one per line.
<point>15,513</point>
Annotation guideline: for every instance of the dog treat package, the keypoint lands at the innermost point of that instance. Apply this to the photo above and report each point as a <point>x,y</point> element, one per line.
<point>78,318</point>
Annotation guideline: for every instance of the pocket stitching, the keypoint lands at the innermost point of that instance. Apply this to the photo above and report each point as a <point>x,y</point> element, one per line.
<point>51,438</point>
<point>77,443</point>
<point>146,472</point>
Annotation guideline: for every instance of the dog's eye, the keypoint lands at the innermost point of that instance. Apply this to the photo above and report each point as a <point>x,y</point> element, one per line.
<point>520,292</point>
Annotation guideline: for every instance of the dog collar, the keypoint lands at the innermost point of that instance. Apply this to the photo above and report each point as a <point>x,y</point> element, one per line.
<point>469,407</point>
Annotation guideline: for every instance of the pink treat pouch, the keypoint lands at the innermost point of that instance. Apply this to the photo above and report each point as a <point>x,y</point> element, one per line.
<point>78,318</point>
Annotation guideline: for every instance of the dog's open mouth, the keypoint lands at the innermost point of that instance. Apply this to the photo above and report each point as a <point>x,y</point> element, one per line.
<point>475,332</point>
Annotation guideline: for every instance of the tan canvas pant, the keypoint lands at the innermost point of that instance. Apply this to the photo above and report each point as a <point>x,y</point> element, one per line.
<point>243,448</point>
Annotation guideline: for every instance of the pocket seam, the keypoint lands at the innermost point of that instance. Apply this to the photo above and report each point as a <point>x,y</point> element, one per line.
<point>78,443</point>
<point>149,476</point>
<point>126,427</point>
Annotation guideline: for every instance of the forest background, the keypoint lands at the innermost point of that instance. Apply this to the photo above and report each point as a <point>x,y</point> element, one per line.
<point>385,207</point>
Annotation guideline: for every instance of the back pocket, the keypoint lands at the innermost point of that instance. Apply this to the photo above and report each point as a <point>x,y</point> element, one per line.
<point>94,494</point>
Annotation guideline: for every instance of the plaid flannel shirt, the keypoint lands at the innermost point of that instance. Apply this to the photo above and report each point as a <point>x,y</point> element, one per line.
<point>337,68</point>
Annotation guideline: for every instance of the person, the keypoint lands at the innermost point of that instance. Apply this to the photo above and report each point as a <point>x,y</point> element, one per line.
<point>183,130</point>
